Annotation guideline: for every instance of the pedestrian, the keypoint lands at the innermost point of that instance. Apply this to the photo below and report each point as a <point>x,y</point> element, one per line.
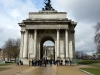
<point>57,62</point>
<point>61,62</point>
<point>50,62</point>
<point>70,62</point>
<point>66,62</point>
<point>20,62</point>
<point>54,62</point>
<point>45,62</point>
<point>32,62</point>
<point>35,62</point>
<point>17,63</point>
<point>40,62</point>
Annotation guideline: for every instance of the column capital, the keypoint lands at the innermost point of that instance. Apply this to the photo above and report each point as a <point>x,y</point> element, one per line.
<point>26,29</point>
<point>22,31</point>
<point>35,30</point>
<point>58,29</point>
<point>72,31</point>
<point>66,28</point>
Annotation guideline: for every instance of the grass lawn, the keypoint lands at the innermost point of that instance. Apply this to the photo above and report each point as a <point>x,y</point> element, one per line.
<point>2,69</point>
<point>6,64</point>
<point>95,63</point>
<point>94,71</point>
<point>88,62</point>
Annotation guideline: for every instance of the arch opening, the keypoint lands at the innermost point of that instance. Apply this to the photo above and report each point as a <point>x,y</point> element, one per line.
<point>47,48</point>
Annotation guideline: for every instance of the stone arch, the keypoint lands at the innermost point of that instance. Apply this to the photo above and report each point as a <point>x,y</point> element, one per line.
<point>46,38</point>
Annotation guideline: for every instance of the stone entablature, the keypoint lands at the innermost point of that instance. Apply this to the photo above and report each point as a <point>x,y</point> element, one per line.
<point>46,26</point>
<point>48,23</point>
<point>47,15</point>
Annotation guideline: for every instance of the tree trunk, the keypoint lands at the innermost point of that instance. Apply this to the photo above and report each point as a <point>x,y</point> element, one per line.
<point>15,59</point>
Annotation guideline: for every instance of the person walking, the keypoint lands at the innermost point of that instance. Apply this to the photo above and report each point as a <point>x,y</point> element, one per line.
<point>50,62</point>
<point>66,62</point>
<point>35,62</point>
<point>57,62</point>
<point>32,62</point>
<point>20,62</point>
<point>61,62</point>
<point>45,62</point>
<point>29,62</point>
<point>70,62</point>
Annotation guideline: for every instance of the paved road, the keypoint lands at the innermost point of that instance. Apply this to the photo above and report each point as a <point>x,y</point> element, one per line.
<point>53,70</point>
<point>49,70</point>
<point>13,69</point>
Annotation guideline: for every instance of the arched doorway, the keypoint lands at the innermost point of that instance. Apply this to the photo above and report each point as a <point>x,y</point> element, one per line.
<point>47,43</point>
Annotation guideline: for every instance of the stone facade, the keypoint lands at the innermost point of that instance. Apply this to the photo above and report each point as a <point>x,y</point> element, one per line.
<point>47,25</point>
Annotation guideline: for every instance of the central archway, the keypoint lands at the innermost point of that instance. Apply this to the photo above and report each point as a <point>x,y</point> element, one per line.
<point>47,38</point>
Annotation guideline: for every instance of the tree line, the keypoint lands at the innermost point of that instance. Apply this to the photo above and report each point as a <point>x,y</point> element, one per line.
<point>11,49</point>
<point>97,37</point>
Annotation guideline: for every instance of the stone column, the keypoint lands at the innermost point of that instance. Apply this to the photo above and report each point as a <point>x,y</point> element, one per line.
<point>66,43</point>
<point>45,54</point>
<point>21,44</point>
<point>26,44</point>
<point>73,43</point>
<point>35,42</point>
<point>58,45</point>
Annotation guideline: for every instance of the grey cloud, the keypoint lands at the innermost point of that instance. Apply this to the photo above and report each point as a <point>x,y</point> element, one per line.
<point>11,14</point>
<point>87,14</point>
<point>81,10</point>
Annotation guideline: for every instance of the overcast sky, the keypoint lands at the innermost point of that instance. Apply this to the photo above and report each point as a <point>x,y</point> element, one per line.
<point>85,12</point>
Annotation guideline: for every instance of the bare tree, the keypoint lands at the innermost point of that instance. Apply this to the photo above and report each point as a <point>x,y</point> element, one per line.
<point>97,36</point>
<point>80,54</point>
<point>11,48</point>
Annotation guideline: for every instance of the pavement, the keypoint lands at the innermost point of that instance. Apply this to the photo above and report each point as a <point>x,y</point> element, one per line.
<point>49,70</point>
<point>13,69</point>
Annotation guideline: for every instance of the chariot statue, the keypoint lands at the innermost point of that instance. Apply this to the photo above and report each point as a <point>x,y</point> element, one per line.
<point>47,5</point>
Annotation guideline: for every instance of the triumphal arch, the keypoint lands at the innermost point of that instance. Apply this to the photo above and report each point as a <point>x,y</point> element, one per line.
<point>47,24</point>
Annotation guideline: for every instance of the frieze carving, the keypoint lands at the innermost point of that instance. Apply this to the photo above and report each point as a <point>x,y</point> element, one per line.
<point>46,23</point>
<point>46,26</point>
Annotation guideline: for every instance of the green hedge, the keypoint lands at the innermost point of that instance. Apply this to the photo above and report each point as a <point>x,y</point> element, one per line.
<point>86,62</point>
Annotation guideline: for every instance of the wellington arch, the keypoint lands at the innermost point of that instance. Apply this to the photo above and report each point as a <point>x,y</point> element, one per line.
<point>47,24</point>
<point>42,40</point>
